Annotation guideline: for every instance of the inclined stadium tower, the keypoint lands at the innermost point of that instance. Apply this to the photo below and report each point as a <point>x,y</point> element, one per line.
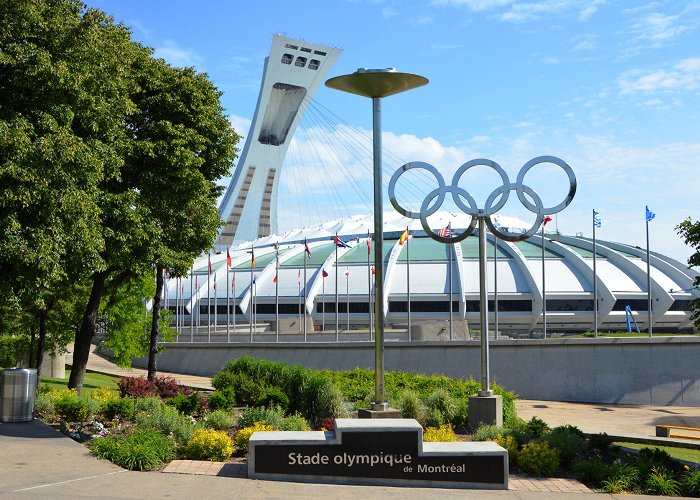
<point>439,282</point>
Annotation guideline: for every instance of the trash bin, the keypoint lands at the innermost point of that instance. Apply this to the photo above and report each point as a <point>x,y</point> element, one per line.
<point>17,390</point>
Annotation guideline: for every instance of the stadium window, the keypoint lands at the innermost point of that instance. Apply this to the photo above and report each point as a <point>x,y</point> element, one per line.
<point>287,58</point>
<point>300,62</point>
<point>314,63</point>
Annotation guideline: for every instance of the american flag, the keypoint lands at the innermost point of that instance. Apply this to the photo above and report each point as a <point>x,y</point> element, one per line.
<point>445,232</point>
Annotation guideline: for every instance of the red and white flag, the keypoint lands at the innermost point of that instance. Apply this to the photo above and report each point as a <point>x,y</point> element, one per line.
<point>228,258</point>
<point>546,220</point>
<point>445,232</point>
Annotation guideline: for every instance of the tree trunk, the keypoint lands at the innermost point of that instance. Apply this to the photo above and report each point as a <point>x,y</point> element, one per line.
<point>43,315</point>
<point>155,325</point>
<point>32,352</point>
<point>84,335</point>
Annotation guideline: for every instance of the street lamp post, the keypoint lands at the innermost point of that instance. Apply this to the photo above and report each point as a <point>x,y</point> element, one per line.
<point>376,84</point>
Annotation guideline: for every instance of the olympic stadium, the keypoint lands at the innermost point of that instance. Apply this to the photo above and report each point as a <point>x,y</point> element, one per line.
<point>260,279</point>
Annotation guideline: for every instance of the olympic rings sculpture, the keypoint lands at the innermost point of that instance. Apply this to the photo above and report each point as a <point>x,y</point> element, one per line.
<point>434,200</point>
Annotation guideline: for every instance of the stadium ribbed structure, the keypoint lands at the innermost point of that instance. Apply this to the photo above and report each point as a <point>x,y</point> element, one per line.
<point>621,272</point>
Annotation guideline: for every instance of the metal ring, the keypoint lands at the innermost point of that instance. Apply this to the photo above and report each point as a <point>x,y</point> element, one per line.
<point>436,197</point>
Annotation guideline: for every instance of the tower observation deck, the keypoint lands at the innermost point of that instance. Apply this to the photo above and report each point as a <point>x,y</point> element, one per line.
<point>292,73</point>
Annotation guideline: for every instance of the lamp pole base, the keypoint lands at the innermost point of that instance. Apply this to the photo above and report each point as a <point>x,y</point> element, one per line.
<point>485,410</point>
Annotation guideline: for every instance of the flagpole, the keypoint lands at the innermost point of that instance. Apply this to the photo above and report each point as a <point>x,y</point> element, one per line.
<point>544,293</point>
<point>408,281</point>
<point>177,309</point>
<point>209,299</point>
<point>305,282</point>
<point>495,287</point>
<point>595,284</point>
<point>191,306</point>
<point>216,307</point>
<point>449,247</point>
<point>251,305</point>
<point>233,285</point>
<point>299,295</point>
<point>323,304</point>
<point>277,293</point>
<point>369,287</point>
<point>337,325</point>
<point>347,296</point>
<point>228,299</point>
<point>646,217</point>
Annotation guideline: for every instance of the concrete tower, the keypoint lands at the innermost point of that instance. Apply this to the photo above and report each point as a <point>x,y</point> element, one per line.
<point>292,73</point>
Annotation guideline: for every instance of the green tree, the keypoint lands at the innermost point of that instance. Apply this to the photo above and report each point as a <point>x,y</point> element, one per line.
<point>690,232</point>
<point>182,143</point>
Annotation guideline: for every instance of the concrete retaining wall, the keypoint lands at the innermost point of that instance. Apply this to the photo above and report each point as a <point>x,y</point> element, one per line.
<point>658,371</point>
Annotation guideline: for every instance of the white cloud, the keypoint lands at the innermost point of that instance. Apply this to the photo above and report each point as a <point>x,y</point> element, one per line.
<point>177,56</point>
<point>389,12</point>
<point>587,43</point>
<point>550,60</point>
<point>240,124</point>
<point>683,76</point>
<point>657,29</point>
<point>475,5</point>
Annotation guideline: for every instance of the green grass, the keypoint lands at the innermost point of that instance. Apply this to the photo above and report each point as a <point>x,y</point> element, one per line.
<point>687,454</point>
<point>91,382</point>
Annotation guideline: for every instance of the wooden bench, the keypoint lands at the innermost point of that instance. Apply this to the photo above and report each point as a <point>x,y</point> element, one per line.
<point>666,431</point>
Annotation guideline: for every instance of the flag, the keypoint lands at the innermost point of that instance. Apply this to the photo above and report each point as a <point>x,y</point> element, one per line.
<point>274,279</point>
<point>215,281</point>
<point>324,273</point>
<point>196,282</point>
<point>299,277</point>
<point>373,271</point>
<point>546,220</point>
<point>228,258</point>
<point>233,281</point>
<point>650,214</point>
<point>210,269</point>
<point>347,272</point>
<point>255,278</point>
<point>369,244</point>
<point>252,257</point>
<point>306,248</point>
<point>340,242</point>
<point>403,237</point>
<point>446,232</point>
<point>596,219</point>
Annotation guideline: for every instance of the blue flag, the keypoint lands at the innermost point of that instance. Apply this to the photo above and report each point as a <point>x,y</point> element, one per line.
<point>596,219</point>
<point>650,215</point>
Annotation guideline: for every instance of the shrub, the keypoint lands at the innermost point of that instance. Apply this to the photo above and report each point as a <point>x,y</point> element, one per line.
<point>148,404</point>
<point>537,428</point>
<point>44,406</point>
<point>487,433</point>
<point>144,449</point>
<point>224,380</point>
<point>251,415</point>
<point>209,444</point>
<point>443,434</point>
<point>102,395</point>
<point>461,417</point>
<point>621,479</point>
<point>168,387</point>
<point>294,423</point>
<point>321,399</point>
<point>600,442</point>
<point>136,387</point>
<point>660,482</point>
<point>167,420</point>
<point>273,397</point>
<point>219,419</point>
<point>411,406</point>
<point>327,424</point>
<point>691,482</point>
<point>122,407</point>
<point>435,419</point>
<point>242,437</point>
<point>71,408</point>
<point>222,399</point>
<point>510,444</point>
<point>441,401</point>
<point>593,471</point>
<point>656,459</point>
<point>568,440</point>
<point>186,404</point>
<point>538,459</point>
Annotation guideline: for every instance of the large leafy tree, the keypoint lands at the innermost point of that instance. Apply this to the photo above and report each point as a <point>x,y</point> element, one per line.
<point>64,96</point>
<point>690,232</point>
<point>108,163</point>
<point>182,143</point>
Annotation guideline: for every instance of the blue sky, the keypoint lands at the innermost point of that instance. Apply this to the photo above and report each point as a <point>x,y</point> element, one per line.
<point>612,87</point>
